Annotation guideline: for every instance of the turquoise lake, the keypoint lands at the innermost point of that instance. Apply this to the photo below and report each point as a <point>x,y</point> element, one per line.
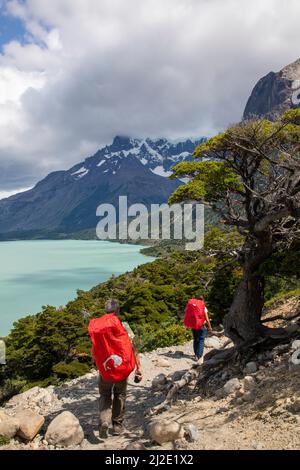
<point>36,273</point>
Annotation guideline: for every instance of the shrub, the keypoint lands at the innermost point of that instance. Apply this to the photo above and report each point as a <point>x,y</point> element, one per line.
<point>170,333</point>
<point>4,441</point>
<point>70,371</point>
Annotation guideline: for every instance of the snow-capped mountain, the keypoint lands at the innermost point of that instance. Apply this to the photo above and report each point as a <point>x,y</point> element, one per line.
<point>66,201</point>
<point>159,156</point>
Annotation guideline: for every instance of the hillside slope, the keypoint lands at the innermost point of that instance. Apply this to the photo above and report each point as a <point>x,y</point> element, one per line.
<point>262,411</point>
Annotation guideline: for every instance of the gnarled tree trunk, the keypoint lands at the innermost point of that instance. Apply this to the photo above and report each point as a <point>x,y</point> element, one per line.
<point>243,322</point>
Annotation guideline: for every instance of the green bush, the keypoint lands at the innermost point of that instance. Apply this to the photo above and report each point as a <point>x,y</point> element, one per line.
<point>9,388</point>
<point>4,441</point>
<point>70,371</point>
<point>170,333</point>
<point>281,296</point>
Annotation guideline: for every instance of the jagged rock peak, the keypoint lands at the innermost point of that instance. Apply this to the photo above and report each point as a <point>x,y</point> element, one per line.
<point>275,93</point>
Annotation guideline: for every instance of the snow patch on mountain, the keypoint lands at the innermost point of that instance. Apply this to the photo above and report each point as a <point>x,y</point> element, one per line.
<point>160,171</point>
<point>81,172</point>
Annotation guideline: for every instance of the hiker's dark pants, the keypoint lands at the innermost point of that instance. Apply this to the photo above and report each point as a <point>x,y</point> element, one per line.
<point>199,336</point>
<point>112,401</point>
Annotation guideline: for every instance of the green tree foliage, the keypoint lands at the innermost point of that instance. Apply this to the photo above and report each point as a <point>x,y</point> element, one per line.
<point>249,174</point>
<point>70,371</point>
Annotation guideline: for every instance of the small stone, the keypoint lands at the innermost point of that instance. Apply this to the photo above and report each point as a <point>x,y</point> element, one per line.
<point>159,381</point>
<point>294,362</point>
<point>219,393</point>
<point>191,432</point>
<point>161,362</point>
<point>177,375</point>
<point>295,345</point>
<point>239,393</point>
<point>260,376</point>
<point>294,407</point>
<point>30,424</point>
<point>249,383</point>
<point>197,399</point>
<point>231,386</point>
<point>180,444</point>
<point>292,328</point>
<point>213,342</point>
<point>135,446</point>
<point>251,368</point>
<point>222,409</point>
<point>35,445</point>
<point>64,430</point>
<point>165,431</point>
<point>248,397</point>
<point>179,354</point>
<point>257,445</point>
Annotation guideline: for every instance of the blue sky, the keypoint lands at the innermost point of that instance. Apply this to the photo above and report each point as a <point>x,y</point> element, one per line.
<point>10,28</point>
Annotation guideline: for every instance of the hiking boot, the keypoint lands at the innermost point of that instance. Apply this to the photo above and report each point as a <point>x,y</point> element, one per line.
<point>118,429</point>
<point>103,431</point>
<point>200,360</point>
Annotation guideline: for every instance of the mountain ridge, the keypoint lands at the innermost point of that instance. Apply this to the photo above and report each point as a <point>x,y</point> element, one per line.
<point>66,201</point>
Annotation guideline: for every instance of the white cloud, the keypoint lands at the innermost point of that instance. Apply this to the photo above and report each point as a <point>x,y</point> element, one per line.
<point>5,194</point>
<point>93,69</point>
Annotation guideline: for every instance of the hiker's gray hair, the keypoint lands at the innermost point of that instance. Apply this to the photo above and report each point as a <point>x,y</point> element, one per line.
<point>111,305</point>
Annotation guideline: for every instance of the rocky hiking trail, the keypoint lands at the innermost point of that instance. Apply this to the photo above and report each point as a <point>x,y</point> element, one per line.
<point>254,407</point>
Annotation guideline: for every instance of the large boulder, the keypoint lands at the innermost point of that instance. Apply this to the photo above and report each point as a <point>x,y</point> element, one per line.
<point>8,425</point>
<point>22,398</point>
<point>64,430</point>
<point>30,424</point>
<point>34,397</point>
<point>165,431</point>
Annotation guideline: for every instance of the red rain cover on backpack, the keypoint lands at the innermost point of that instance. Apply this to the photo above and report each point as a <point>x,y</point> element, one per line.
<point>194,316</point>
<point>112,348</point>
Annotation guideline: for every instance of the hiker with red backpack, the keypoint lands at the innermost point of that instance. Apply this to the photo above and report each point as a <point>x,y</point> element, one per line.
<point>195,318</point>
<point>116,357</point>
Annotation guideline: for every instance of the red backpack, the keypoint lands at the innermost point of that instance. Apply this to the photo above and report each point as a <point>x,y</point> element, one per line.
<point>112,348</point>
<point>194,316</point>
